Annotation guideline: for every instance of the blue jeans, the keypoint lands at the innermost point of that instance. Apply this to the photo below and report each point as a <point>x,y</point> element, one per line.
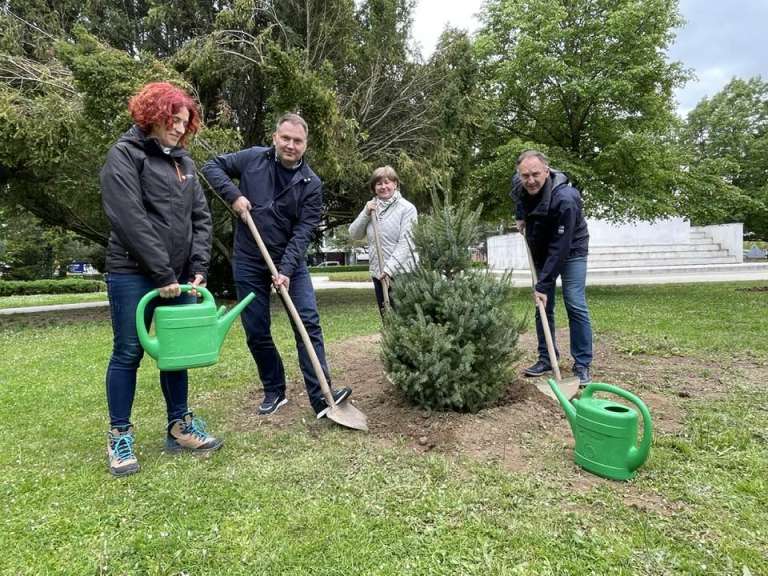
<point>574,279</point>
<point>125,291</point>
<point>254,276</point>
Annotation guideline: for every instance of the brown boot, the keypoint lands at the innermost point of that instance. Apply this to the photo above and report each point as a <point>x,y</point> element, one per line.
<point>189,434</point>
<point>120,455</point>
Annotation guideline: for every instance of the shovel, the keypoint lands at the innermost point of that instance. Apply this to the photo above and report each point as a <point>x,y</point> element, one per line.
<point>376,236</point>
<point>570,386</point>
<point>343,413</point>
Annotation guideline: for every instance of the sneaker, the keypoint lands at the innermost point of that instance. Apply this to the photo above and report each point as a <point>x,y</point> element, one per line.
<point>582,372</point>
<point>272,403</point>
<point>338,397</point>
<point>189,434</point>
<point>539,369</point>
<point>122,460</point>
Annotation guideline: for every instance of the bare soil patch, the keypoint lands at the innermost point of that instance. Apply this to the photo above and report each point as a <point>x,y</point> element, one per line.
<point>525,426</point>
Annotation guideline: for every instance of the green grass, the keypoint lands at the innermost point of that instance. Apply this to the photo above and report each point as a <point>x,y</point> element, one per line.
<point>322,500</point>
<point>49,299</point>
<point>680,319</point>
<point>673,319</point>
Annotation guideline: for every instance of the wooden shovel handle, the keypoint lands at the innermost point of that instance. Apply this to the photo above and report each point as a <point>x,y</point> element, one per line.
<point>291,310</point>
<point>377,241</point>
<point>543,315</point>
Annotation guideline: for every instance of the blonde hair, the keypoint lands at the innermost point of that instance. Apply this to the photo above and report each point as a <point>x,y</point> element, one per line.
<point>380,174</point>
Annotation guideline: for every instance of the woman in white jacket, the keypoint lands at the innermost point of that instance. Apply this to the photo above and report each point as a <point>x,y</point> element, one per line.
<point>395,216</point>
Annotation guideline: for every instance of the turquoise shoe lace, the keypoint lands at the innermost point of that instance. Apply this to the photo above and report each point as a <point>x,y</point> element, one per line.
<point>196,427</point>
<point>123,446</point>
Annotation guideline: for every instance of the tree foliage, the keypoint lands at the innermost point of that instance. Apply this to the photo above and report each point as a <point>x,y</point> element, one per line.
<point>728,138</point>
<point>32,250</point>
<point>588,82</point>
<point>69,68</point>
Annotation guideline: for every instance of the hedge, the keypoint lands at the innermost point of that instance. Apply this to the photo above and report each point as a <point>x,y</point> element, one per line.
<point>64,286</point>
<point>334,269</point>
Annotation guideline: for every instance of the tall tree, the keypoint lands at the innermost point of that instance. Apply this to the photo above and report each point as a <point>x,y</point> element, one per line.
<point>461,111</point>
<point>60,116</point>
<point>345,65</point>
<point>587,81</point>
<point>728,136</point>
<point>347,68</point>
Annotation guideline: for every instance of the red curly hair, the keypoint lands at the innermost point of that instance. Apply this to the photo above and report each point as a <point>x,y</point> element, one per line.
<point>157,102</point>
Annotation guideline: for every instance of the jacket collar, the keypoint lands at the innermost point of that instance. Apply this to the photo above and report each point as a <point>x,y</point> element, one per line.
<point>304,172</point>
<point>555,180</point>
<point>150,145</point>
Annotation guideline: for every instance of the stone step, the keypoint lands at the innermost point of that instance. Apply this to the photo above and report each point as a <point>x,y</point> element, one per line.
<point>638,260</point>
<point>655,248</point>
<point>698,241</point>
<point>664,274</point>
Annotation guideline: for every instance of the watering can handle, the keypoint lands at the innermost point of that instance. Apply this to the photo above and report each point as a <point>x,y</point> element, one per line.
<point>149,344</point>
<point>647,424</point>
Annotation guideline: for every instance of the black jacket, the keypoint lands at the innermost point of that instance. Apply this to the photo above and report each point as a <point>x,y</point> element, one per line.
<point>161,224</point>
<point>286,217</point>
<point>554,225</point>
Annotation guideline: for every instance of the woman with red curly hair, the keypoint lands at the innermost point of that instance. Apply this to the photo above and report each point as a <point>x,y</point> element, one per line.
<point>160,237</point>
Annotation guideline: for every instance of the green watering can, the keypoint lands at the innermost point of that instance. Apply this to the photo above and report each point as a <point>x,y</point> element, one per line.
<point>187,335</point>
<point>606,432</point>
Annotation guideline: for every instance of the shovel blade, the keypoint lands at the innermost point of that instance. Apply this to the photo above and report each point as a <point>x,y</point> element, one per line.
<point>569,387</point>
<point>347,415</point>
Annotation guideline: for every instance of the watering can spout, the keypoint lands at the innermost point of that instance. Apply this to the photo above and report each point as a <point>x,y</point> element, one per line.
<point>570,411</point>
<point>225,319</point>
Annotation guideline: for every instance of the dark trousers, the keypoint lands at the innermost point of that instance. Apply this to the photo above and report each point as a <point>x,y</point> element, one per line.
<point>125,291</point>
<point>254,276</point>
<point>378,288</point>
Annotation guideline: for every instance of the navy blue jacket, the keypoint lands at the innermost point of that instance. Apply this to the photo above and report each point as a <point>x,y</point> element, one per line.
<point>285,218</point>
<point>555,227</point>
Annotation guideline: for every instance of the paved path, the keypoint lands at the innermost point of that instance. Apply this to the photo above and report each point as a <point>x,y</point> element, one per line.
<point>319,283</point>
<point>52,307</point>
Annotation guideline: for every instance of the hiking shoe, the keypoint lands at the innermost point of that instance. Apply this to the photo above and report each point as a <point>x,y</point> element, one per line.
<point>189,434</point>
<point>272,403</point>
<point>582,372</point>
<point>539,369</point>
<point>120,455</point>
<point>338,397</point>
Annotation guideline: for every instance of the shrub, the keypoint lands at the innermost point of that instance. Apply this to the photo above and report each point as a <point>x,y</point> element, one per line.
<point>68,286</point>
<point>451,342</point>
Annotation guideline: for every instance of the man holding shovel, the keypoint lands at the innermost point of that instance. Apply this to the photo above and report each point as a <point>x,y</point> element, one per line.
<point>284,197</point>
<point>549,214</point>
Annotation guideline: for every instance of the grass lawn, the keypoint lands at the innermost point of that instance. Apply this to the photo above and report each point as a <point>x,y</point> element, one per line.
<point>49,299</point>
<point>313,499</point>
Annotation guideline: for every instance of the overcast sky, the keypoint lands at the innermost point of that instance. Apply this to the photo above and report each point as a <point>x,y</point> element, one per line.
<point>720,40</point>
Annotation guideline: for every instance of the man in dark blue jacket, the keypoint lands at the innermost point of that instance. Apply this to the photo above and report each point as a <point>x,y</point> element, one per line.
<point>549,213</point>
<point>285,198</point>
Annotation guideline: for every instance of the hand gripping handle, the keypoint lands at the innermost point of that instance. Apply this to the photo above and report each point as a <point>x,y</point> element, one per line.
<point>149,344</point>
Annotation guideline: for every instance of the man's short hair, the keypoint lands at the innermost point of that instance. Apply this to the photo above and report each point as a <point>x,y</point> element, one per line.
<point>293,119</point>
<point>380,173</point>
<point>532,154</point>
